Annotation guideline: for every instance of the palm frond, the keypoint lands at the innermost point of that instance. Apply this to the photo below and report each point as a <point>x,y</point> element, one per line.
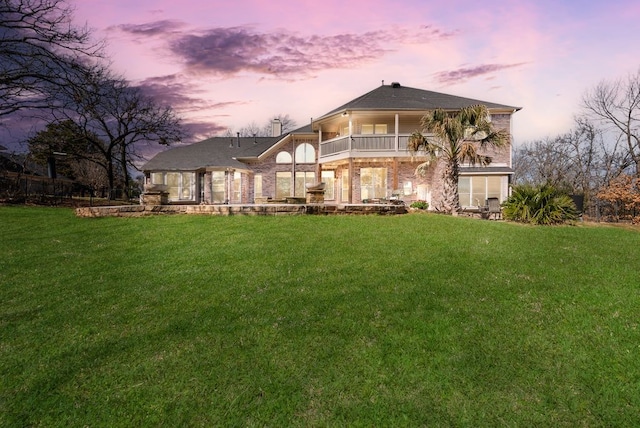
<point>468,153</point>
<point>424,167</point>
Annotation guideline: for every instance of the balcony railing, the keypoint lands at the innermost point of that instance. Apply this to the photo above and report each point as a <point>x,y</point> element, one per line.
<point>364,143</point>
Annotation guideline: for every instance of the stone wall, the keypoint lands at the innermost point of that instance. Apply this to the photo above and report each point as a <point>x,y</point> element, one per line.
<point>227,210</point>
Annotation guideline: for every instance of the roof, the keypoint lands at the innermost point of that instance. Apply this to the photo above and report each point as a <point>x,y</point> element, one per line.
<point>471,170</point>
<point>216,152</point>
<point>225,152</point>
<point>212,152</point>
<point>398,97</point>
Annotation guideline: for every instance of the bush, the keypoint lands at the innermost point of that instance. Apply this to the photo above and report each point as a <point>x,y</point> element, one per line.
<point>539,205</point>
<point>420,205</point>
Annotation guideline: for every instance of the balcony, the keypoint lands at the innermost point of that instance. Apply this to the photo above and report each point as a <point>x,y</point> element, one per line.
<point>364,146</point>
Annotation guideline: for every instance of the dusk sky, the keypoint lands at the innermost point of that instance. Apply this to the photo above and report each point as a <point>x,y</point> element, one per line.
<point>224,64</point>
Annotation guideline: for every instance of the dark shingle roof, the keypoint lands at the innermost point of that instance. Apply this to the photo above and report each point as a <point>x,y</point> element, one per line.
<point>212,152</point>
<point>485,170</point>
<point>397,97</point>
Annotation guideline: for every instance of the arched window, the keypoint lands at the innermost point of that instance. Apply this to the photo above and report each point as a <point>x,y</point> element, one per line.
<point>305,153</point>
<point>283,157</point>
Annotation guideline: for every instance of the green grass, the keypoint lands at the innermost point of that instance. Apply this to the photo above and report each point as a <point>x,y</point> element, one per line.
<point>414,320</point>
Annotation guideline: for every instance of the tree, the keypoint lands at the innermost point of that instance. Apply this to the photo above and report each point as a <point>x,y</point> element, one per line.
<point>577,162</point>
<point>39,46</point>
<point>116,118</point>
<point>617,105</point>
<point>454,138</point>
<point>254,130</point>
<point>81,161</point>
<point>622,195</point>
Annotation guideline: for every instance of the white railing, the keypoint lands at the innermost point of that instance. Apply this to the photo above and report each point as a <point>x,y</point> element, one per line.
<point>364,143</point>
<point>336,145</point>
<point>377,143</point>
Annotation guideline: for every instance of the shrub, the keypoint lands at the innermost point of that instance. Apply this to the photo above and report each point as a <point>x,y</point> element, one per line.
<point>421,205</point>
<point>621,198</point>
<point>539,205</point>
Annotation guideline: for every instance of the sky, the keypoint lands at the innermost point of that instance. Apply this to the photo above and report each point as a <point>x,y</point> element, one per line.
<point>223,64</point>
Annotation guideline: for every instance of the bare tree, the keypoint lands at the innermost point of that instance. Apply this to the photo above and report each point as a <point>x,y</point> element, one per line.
<point>579,162</point>
<point>39,45</point>
<point>543,161</point>
<point>116,118</point>
<point>617,105</point>
<point>255,130</point>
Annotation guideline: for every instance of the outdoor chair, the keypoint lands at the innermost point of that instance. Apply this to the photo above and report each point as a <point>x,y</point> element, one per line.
<point>493,207</point>
<point>396,197</point>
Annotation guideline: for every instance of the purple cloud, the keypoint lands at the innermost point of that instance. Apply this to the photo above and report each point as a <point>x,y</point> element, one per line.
<point>230,50</point>
<point>464,74</point>
<point>156,28</point>
<point>175,90</point>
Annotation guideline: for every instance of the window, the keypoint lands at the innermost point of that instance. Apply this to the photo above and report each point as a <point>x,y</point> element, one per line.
<point>283,184</point>
<point>373,183</point>
<point>305,153</point>
<point>345,186</point>
<point>257,186</point>
<point>381,129</point>
<point>407,188</point>
<point>283,157</point>
<point>181,185</point>
<point>464,191</point>
<point>475,190</point>
<point>328,177</point>
<point>217,187</point>
<point>303,178</point>
<point>378,128</point>
<point>237,187</point>
<point>157,178</point>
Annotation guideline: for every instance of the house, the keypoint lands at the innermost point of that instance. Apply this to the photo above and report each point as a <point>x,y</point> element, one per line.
<point>358,149</point>
<point>20,177</point>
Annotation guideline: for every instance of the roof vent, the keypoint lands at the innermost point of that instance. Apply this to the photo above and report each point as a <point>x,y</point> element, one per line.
<point>395,84</point>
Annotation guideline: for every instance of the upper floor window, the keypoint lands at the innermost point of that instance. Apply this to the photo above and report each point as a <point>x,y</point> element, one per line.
<point>305,153</point>
<point>378,128</point>
<point>283,157</point>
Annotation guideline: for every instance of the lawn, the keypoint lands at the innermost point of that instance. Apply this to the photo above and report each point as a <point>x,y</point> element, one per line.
<point>413,320</point>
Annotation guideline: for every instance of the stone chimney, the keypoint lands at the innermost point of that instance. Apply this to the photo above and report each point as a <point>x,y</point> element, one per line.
<point>276,127</point>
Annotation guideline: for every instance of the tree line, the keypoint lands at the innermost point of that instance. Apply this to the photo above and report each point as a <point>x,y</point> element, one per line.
<point>599,158</point>
<point>54,71</point>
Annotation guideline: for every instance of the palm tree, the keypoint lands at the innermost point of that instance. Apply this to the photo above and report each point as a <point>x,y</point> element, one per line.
<point>455,137</point>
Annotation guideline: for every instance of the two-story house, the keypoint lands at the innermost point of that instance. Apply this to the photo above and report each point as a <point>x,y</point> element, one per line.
<point>358,149</point>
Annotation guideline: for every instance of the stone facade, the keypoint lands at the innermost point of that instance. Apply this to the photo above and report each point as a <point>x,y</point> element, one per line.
<point>229,210</point>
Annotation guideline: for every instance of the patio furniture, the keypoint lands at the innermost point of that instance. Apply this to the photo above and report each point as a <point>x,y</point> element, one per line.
<point>493,207</point>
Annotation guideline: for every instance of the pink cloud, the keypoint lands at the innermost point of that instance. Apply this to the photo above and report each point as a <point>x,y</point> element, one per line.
<point>463,74</point>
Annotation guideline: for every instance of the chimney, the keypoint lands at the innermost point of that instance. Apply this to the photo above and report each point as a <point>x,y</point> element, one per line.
<point>276,127</point>
<point>238,134</point>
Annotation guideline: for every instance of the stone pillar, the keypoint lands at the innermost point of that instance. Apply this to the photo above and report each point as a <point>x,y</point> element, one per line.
<point>315,196</point>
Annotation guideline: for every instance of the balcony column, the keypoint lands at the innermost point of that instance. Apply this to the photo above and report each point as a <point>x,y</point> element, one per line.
<point>350,140</point>
<point>397,140</point>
